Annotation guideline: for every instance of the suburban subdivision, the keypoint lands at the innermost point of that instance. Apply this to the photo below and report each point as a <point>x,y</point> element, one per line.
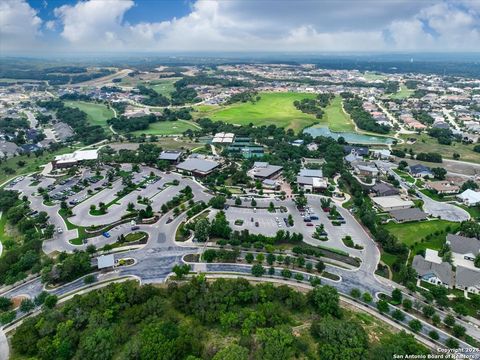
<point>234,210</point>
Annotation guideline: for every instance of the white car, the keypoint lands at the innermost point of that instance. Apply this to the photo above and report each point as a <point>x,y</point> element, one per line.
<point>60,230</point>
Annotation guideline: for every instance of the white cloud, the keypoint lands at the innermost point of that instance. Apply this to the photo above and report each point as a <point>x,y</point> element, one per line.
<point>50,25</point>
<point>93,23</point>
<point>19,25</point>
<point>267,25</point>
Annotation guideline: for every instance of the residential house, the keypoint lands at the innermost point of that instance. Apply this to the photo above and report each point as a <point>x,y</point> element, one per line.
<point>463,248</point>
<point>419,170</point>
<point>382,154</point>
<point>442,187</point>
<point>384,189</point>
<point>410,214</point>
<point>467,279</point>
<point>469,197</point>
<point>433,270</point>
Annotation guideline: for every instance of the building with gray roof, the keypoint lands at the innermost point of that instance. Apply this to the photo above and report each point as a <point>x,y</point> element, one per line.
<point>411,214</point>
<point>467,279</point>
<point>433,273</point>
<point>263,170</point>
<point>311,173</point>
<point>383,189</point>
<point>8,149</point>
<point>172,156</point>
<point>468,247</point>
<point>198,166</point>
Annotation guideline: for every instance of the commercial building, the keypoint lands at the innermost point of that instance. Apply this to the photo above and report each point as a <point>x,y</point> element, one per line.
<point>198,166</point>
<point>263,170</point>
<point>172,156</point>
<point>389,203</point>
<point>68,160</point>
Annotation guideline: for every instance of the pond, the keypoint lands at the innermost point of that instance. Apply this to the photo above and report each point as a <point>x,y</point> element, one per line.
<point>349,137</point>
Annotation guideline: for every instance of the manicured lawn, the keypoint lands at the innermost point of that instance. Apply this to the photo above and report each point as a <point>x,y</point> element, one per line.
<point>402,94</point>
<point>474,211</point>
<point>164,87</point>
<point>272,108</point>
<point>135,236</point>
<point>97,114</point>
<point>371,76</point>
<point>413,232</point>
<point>3,236</point>
<point>32,163</point>
<point>167,128</point>
<point>336,118</point>
<point>426,143</point>
<point>405,176</point>
<point>388,259</point>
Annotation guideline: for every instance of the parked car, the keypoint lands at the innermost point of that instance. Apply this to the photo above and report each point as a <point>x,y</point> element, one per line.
<point>106,234</point>
<point>256,223</point>
<point>309,224</point>
<point>60,230</point>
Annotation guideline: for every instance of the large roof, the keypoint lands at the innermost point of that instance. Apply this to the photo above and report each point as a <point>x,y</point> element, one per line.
<point>264,169</point>
<point>411,214</point>
<point>470,195</point>
<point>391,201</point>
<point>311,173</point>
<point>78,155</point>
<point>466,277</point>
<point>463,245</point>
<point>198,165</point>
<point>442,271</point>
<point>170,155</point>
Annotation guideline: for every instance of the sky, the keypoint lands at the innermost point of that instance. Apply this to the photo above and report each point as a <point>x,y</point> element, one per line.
<point>46,27</point>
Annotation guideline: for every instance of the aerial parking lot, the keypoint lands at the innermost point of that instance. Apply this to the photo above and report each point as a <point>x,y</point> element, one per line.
<point>259,221</point>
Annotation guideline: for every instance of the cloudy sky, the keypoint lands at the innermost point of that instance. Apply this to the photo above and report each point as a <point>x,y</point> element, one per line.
<point>72,26</point>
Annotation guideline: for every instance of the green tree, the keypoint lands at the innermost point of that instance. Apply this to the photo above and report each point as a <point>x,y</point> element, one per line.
<point>232,352</point>
<point>458,330</point>
<point>249,258</point>
<point>275,344</point>
<point>397,296</point>
<point>258,270</point>
<point>428,311</point>
<point>383,307</point>
<point>339,339</point>
<point>5,303</point>
<point>27,305</point>
<point>398,315</point>
<point>449,320</point>
<point>286,273</point>
<point>50,301</point>
<point>367,297</point>
<point>407,304</point>
<point>451,343</point>
<point>325,299</point>
<point>202,230</point>
<point>415,325</point>
<point>434,335</point>
<point>320,266</point>
<point>355,293</point>
<point>397,344</point>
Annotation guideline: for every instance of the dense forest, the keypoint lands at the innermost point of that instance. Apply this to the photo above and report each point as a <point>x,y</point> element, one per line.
<point>225,319</point>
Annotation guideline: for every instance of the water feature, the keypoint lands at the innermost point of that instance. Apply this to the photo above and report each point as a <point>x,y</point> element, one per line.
<point>349,137</point>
